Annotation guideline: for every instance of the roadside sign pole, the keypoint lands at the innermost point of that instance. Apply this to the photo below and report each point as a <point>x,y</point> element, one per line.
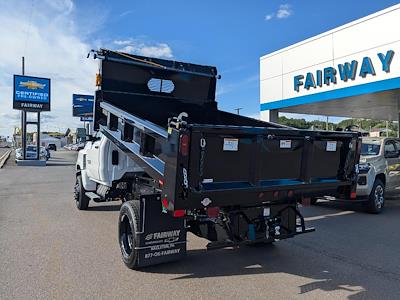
<point>24,123</point>
<point>23,120</point>
<point>38,137</point>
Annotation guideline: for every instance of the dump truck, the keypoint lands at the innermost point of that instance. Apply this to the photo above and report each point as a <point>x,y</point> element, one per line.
<point>179,164</point>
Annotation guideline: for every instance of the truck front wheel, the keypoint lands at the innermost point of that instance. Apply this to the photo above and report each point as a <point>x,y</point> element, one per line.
<point>376,199</point>
<point>81,200</point>
<point>128,226</point>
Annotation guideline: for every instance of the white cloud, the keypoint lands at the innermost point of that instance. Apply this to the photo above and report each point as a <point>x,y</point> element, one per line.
<point>52,48</point>
<point>54,38</point>
<point>284,11</point>
<point>136,46</point>
<point>122,42</point>
<point>64,6</point>
<point>269,17</point>
<point>125,13</point>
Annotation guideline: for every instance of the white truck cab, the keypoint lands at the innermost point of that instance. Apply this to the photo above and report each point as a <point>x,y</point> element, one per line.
<point>101,169</point>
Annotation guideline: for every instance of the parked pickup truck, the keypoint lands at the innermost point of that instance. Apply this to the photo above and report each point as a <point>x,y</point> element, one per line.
<point>179,164</point>
<point>379,171</point>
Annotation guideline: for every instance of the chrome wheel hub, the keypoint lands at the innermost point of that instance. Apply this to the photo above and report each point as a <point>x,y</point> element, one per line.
<point>379,196</point>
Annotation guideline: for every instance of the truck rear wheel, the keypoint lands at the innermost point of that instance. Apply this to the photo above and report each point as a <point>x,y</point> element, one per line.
<point>128,227</point>
<point>81,200</point>
<point>376,199</point>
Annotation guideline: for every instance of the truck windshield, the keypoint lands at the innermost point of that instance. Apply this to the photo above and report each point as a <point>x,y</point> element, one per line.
<point>370,149</point>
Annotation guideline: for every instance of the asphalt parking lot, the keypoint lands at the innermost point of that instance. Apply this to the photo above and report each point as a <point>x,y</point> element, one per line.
<point>50,250</point>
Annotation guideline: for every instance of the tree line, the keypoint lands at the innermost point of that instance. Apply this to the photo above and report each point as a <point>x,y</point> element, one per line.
<point>321,125</point>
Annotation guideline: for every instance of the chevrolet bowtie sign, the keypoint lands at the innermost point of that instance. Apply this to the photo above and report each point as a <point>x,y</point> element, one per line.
<point>31,93</point>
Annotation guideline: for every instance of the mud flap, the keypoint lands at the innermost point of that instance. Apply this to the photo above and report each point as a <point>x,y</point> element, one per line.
<point>162,238</point>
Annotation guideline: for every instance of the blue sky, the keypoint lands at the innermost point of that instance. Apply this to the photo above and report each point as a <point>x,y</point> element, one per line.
<point>231,35</point>
<point>55,36</point>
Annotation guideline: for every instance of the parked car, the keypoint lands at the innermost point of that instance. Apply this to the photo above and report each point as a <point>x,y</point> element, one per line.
<point>52,147</point>
<point>379,172</point>
<point>31,153</point>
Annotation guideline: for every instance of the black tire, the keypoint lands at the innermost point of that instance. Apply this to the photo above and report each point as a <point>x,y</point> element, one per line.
<point>81,200</point>
<point>128,226</point>
<point>313,201</point>
<point>376,199</point>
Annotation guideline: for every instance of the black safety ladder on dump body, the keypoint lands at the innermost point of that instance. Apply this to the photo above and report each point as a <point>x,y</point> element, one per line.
<point>123,129</point>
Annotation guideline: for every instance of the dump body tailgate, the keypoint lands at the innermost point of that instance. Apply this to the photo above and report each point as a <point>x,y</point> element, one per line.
<point>230,165</point>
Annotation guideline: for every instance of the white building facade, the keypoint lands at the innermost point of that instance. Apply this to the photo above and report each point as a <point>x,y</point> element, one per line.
<point>350,71</point>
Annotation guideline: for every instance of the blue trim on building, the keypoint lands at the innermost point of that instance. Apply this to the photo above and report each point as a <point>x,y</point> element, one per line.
<point>367,88</point>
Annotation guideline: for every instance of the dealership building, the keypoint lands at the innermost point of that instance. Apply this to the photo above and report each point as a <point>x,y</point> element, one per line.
<point>351,71</point>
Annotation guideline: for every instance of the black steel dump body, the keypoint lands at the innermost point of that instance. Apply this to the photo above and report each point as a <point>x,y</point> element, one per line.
<point>207,157</point>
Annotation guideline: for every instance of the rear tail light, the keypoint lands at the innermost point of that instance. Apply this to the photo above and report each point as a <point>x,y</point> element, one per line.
<point>179,213</point>
<point>184,145</point>
<point>164,203</point>
<point>353,195</point>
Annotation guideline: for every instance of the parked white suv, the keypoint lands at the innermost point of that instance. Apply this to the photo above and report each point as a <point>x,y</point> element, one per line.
<point>31,153</point>
<point>379,171</point>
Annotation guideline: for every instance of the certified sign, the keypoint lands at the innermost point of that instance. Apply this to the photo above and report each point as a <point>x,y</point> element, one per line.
<point>82,106</point>
<point>31,93</point>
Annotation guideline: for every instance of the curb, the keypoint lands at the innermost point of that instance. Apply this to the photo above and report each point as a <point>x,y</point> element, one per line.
<point>4,158</point>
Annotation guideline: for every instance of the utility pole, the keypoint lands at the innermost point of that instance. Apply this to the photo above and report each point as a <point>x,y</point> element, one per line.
<point>327,123</point>
<point>238,110</point>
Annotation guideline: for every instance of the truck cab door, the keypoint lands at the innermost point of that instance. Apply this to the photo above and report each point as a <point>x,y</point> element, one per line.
<point>392,165</point>
<point>92,158</point>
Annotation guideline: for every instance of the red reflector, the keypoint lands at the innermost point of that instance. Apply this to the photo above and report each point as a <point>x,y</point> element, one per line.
<point>290,194</point>
<point>213,212</point>
<point>184,145</point>
<point>164,202</point>
<point>353,195</point>
<point>179,213</point>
